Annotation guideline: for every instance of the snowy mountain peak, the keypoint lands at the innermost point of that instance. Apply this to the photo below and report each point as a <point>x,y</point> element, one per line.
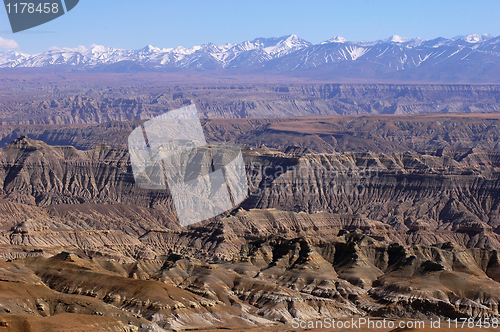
<point>295,41</point>
<point>283,45</point>
<point>336,39</point>
<point>150,49</point>
<point>397,39</point>
<point>99,49</point>
<point>474,38</point>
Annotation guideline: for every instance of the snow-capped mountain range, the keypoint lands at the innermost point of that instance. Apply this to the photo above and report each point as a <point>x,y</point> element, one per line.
<point>463,58</point>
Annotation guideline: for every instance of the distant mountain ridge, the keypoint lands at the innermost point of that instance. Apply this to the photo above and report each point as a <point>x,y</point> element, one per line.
<point>472,58</point>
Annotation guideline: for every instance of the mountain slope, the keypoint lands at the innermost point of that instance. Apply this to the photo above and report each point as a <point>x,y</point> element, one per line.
<point>470,58</point>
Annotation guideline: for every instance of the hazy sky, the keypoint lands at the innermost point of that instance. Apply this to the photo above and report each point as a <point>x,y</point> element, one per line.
<point>134,24</point>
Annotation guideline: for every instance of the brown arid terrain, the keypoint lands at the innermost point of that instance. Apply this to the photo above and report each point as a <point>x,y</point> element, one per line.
<point>418,240</point>
<point>69,98</point>
<point>360,205</point>
<point>318,134</point>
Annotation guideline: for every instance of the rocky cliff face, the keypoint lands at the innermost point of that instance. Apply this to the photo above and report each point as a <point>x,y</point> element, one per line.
<point>299,135</point>
<point>394,189</point>
<point>424,197</point>
<point>392,235</point>
<point>56,102</point>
